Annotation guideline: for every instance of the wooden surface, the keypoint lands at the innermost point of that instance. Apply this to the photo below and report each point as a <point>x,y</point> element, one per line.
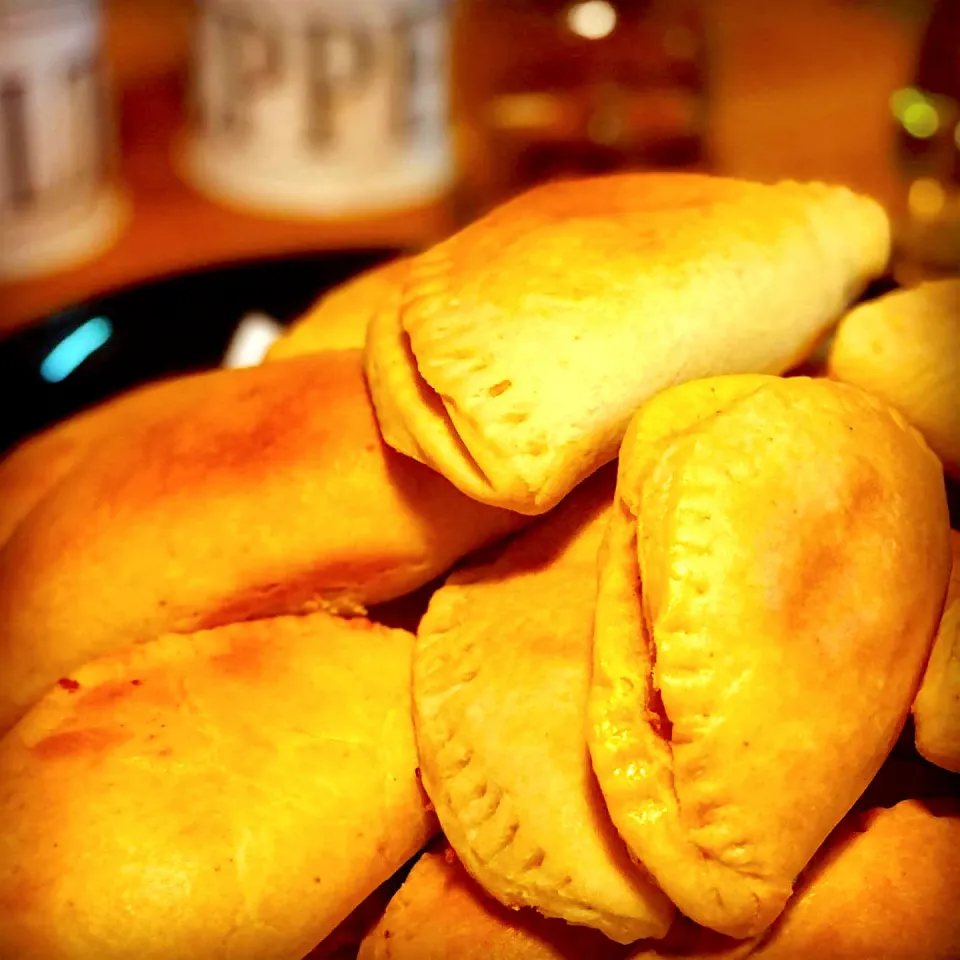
<point>800,90</point>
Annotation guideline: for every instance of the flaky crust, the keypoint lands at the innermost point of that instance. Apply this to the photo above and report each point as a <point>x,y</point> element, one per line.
<point>905,348</point>
<point>936,710</point>
<point>501,675</point>
<point>769,590</point>
<point>339,319</point>
<point>523,344</point>
<point>231,794</point>
<point>231,495</point>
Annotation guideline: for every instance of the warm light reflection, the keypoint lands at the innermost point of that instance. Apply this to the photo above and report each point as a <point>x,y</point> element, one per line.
<point>592,20</point>
<point>926,198</point>
<point>74,348</point>
<point>921,119</point>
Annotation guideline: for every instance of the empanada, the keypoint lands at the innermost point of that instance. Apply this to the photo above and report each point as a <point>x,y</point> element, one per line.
<point>229,795</point>
<point>936,710</point>
<point>500,679</point>
<point>440,913</point>
<point>228,495</point>
<point>905,348</point>
<point>770,586</point>
<point>519,348</point>
<point>339,319</point>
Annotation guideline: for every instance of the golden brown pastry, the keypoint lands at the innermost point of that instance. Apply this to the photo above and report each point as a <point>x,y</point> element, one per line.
<point>34,467</point>
<point>235,494</point>
<point>770,586</point>
<point>883,887</point>
<point>339,319</point>
<point>886,887</point>
<point>440,913</point>
<point>233,794</point>
<point>936,710</point>
<point>518,349</point>
<point>501,675</point>
<point>905,348</point>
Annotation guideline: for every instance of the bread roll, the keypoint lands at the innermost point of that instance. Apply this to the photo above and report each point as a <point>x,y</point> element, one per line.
<point>500,678</point>
<point>235,494</point>
<point>233,794</point>
<point>339,319</point>
<point>770,586</point>
<point>440,913</point>
<point>905,348</point>
<point>936,711</point>
<point>518,349</point>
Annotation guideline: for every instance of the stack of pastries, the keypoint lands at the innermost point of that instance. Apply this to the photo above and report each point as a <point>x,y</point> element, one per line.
<point>521,604</point>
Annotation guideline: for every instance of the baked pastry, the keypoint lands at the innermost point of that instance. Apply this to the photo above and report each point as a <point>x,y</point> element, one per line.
<point>500,681</point>
<point>770,586</point>
<point>339,319</point>
<point>440,913</point>
<point>884,887</point>
<point>35,466</point>
<point>905,348</point>
<point>936,710</point>
<point>233,794</point>
<point>518,349</point>
<point>236,494</point>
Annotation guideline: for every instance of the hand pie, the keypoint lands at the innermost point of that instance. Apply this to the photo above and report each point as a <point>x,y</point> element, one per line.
<point>30,470</point>
<point>500,679</point>
<point>339,319</point>
<point>936,711</point>
<point>440,913</point>
<point>770,586</point>
<point>885,887</point>
<point>229,795</point>
<point>230,495</point>
<point>518,349</point>
<point>905,348</point>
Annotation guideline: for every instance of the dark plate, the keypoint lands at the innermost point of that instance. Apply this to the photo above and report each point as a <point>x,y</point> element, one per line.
<point>175,325</point>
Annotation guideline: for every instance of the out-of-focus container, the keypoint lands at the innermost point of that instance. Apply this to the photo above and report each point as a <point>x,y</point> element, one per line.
<point>550,88</point>
<point>320,108</point>
<point>927,114</point>
<point>59,200</point>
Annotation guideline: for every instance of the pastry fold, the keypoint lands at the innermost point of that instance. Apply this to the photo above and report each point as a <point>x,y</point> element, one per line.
<point>770,586</point>
<point>231,794</point>
<point>339,319</point>
<point>500,678</point>
<point>936,710</point>
<point>229,495</point>
<point>905,348</point>
<point>517,350</point>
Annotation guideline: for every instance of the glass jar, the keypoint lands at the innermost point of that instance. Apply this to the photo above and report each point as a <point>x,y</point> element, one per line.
<point>59,199</point>
<point>550,88</point>
<point>320,108</point>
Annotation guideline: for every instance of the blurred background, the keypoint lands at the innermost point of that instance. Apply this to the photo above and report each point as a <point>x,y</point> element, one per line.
<point>144,137</point>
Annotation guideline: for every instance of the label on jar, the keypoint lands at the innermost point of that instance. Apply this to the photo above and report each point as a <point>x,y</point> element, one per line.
<point>321,106</point>
<point>56,203</point>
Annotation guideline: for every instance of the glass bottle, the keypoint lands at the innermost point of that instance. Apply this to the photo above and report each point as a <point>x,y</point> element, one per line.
<point>550,88</point>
